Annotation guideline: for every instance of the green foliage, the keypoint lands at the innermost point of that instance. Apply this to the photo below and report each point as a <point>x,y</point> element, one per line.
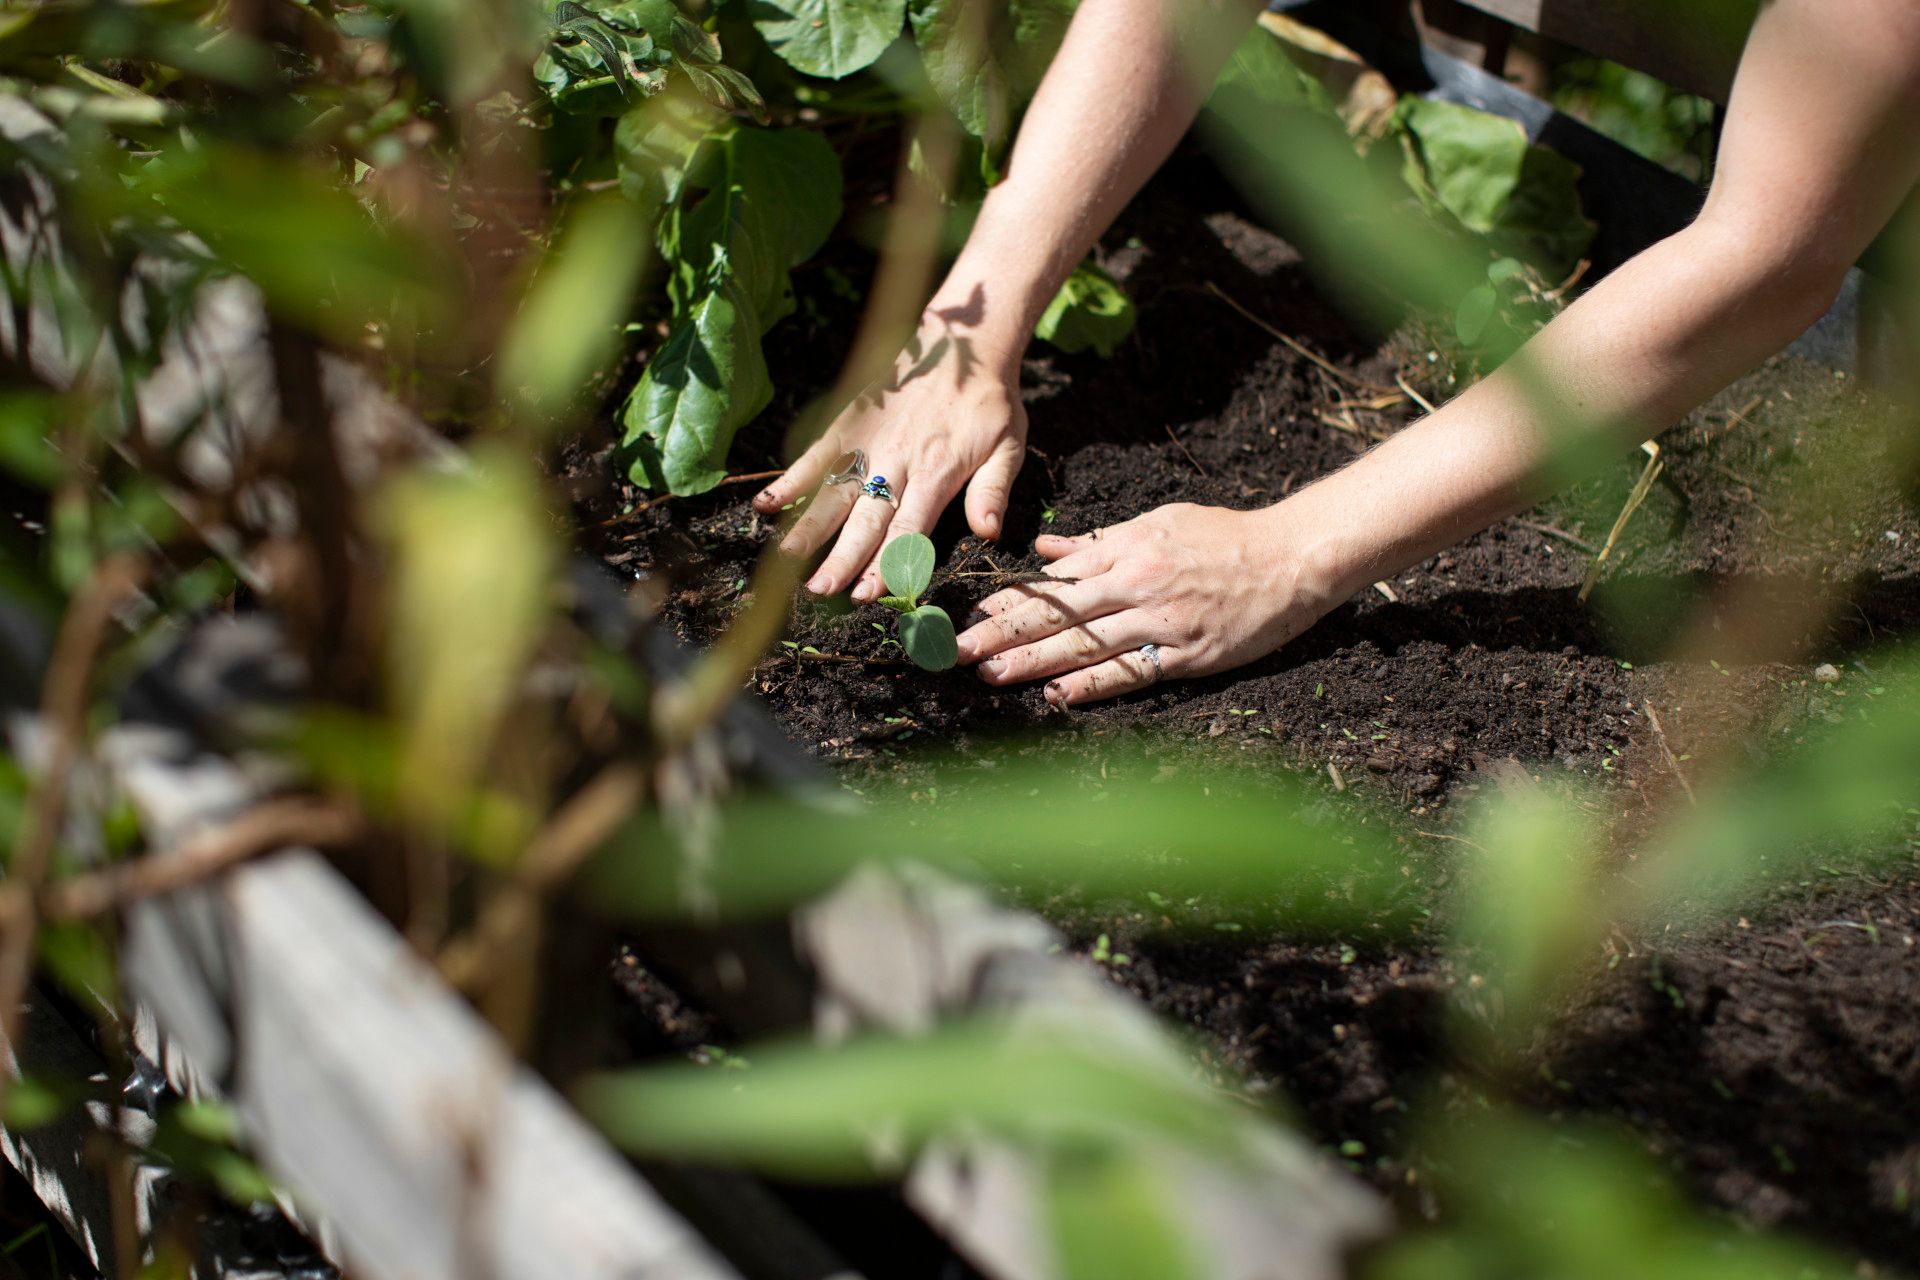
<point>1639,112</point>
<point>831,38</point>
<point>802,1110</point>
<point>926,632</point>
<point>606,53</point>
<point>771,197</point>
<point>1481,171</point>
<point>1091,310</point>
<point>986,60</point>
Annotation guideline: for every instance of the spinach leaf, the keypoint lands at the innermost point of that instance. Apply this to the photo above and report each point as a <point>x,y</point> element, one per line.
<point>771,197</point>
<point>831,38</point>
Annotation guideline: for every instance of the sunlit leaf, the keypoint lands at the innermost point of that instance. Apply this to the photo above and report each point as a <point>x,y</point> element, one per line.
<point>1091,310</point>
<point>831,38</point>
<point>906,565</point>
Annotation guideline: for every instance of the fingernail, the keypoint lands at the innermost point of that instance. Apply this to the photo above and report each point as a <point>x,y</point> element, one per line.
<point>991,668</point>
<point>864,593</point>
<point>817,584</point>
<point>964,647</point>
<point>764,496</point>
<point>992,526</point>
<point>1055,692</point>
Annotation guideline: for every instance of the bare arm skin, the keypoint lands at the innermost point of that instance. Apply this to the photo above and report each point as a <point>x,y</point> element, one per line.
<point>1821,145</point>
<point>1084,151</point>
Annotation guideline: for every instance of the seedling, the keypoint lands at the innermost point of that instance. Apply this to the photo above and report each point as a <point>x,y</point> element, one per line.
<point>1103,953</point>
<point>926,632</point>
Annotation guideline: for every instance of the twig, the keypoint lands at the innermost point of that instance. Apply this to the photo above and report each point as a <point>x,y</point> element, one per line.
<point>745,477</point>
<point>1393,597</point>
<point>64,701</point>
<point>582,825</point>
<point>1385,400</point>
<point>1442,835</point>
<point>1183,448</point>
<point>1555,531</point>
<point>1666,749</point>
<point>801,655</point>
<point>1400,381</point>
<point>294,821</point>
<point>1641,487</point>
<point>1321,361</point>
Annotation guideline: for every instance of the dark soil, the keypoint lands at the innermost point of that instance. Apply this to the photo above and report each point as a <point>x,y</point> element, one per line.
<point>1776,1060</point>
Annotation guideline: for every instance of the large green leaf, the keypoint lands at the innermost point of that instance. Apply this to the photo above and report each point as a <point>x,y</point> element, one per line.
<point>986,57</point>
<point>771,198</point>
<point>831,38</point>
<point>906,565</point>
<point>1481,170</point>
<point>1091,310</point>
<point>707,382</point>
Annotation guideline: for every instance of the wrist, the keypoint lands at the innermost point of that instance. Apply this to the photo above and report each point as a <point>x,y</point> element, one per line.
<point>1310,567</point>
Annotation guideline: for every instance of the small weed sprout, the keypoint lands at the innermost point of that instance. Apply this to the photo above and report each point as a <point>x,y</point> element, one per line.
<point>926,632</point>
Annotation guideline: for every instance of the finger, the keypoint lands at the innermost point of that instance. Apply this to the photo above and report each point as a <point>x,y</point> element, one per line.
<point>1073,648</point>
<point>859,540</point>
<point>1055,546</point>
<point>1123,673</point>
<point>987,492</point>
<point>822,516</point>
<point>802,477</point>
<point>919,509</point>
<point>1043,612</point>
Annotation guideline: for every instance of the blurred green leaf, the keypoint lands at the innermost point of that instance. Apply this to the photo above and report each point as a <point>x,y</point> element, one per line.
<point>473,557</point>
<point>1091,310</point>
<point>569,325</point>
<point>1251,844</point>
<point>298,234</point>
<point>82,961</point>
<point>34,1100</point>
<point>1111,1215</point>
<point>831,38</point>
<point>852,1112</point>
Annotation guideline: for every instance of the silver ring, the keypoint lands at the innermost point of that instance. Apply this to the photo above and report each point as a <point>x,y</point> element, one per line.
<point>851,465</point>
<point>877,487</point>
<point>1152,654</point>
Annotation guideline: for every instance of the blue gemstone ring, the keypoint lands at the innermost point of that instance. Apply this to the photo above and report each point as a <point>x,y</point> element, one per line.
<point>877,487</point>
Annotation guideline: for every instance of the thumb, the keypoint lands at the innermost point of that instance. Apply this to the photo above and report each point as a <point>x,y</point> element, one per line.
<point>990,487</point>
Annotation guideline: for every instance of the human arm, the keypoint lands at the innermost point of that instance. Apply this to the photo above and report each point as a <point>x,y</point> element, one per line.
<point>1818,151</point>
<point>1127,81</point>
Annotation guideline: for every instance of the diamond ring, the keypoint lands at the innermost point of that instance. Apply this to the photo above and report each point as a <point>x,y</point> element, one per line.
<point>1152,654</point>
<point>851,465</point>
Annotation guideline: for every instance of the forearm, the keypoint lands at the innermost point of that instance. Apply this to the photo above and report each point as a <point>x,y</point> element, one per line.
<point>1629,358</point>
<point>1127,82</point>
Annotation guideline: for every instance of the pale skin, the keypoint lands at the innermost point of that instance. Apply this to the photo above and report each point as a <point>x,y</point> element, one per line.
<point>1818,150</point>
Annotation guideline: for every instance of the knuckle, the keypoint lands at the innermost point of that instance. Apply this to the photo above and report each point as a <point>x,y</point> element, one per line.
<point>1084,643</point>
<point>1051,615</point>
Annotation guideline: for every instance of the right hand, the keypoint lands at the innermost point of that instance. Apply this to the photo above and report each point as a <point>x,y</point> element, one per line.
<point>948,416</point>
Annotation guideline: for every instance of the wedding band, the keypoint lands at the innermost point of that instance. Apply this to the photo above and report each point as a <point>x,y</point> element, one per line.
<point>851,465</point>
<point>1152,653</point>
<point>877,487</point>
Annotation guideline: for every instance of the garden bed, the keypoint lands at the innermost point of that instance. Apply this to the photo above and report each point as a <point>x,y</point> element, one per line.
<point>1772,1058</point>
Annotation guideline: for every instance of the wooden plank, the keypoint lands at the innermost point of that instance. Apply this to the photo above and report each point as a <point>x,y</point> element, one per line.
<point>1693,46</point>
<point>368,1089</point>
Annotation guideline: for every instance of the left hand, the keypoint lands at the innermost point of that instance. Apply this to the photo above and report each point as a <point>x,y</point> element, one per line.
<point>1212,588</point>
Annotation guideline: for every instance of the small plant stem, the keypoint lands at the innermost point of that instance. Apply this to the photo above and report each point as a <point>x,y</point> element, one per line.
<point>844,657</point>
<point>1400,380</point>
<point>1666,749</point>
<point>1326,365</point>
<point>1554,531</point>
<point>745,477</point>
<point>1181,445</point>
<point>1641,488</point>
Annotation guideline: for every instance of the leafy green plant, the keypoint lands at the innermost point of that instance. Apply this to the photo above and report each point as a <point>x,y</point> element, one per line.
<point>1091,310</point>
<point>926,632</point>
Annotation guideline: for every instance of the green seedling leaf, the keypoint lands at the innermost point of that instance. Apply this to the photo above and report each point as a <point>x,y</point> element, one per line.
<point>1091,310</point>
<point>831,38</point>
<point>1113,1215</point>
<point>907,566</point>
<point>899,604</point>
<point>927,636</point>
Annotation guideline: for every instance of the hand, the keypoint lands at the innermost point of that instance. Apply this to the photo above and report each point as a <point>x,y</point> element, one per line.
<point>1213,588</point>
<point>950,415</point>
